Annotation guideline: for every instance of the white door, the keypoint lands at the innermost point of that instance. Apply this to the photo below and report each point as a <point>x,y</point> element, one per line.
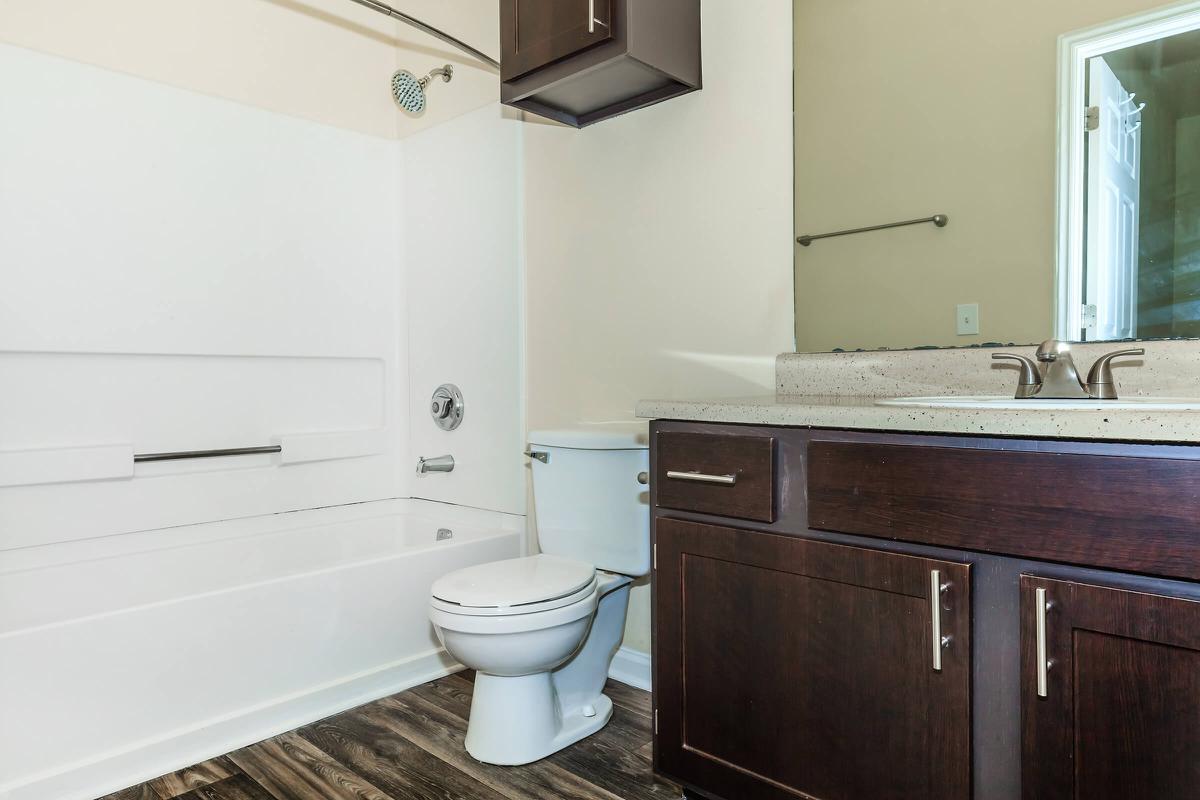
<point>1113,172</point>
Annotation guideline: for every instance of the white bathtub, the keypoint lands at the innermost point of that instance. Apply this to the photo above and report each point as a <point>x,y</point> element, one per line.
<point>147,652</point>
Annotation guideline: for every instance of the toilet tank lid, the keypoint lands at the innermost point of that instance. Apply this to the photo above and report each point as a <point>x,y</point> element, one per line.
<point>596,436</point>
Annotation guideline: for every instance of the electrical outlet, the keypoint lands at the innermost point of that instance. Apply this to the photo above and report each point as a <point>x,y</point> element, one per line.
<point>968,319</point>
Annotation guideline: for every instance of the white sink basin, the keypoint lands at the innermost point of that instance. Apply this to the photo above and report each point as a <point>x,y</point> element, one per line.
<point>1001,403</point>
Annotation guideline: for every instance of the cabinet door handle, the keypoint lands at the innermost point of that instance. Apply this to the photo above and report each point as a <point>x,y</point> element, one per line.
<point>700,477</point>
<point>591,16</point>
<point>936,588</point>
<point>1043,663</point>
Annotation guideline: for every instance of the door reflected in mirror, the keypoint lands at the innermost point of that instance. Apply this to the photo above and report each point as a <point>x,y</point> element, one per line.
<point>1064,145</point>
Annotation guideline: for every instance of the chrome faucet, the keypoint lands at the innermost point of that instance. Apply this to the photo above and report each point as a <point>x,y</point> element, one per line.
<point>435,464</point>
<point>1058,379</point>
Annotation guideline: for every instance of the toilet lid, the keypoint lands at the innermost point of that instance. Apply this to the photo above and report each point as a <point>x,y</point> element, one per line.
<point>515,582</point>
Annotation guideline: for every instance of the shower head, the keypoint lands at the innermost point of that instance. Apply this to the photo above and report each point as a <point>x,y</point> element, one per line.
<point>409,91</point>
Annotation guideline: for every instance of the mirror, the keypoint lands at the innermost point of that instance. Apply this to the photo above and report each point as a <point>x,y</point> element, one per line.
<point>1061,141</point>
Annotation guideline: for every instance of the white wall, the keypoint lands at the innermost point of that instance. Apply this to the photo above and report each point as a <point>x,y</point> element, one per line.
<point>461,244</point>
<point>185,273</point>
<point>659,244</point>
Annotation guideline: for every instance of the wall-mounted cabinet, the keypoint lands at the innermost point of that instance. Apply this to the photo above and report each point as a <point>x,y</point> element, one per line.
<point>583,61</point>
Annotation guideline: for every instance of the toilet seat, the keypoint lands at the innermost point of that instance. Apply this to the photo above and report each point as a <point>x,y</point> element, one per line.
<point>449,617</point>
<point>515,586</point>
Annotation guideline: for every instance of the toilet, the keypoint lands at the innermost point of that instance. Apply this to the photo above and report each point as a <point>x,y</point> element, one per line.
<point>541,631</point>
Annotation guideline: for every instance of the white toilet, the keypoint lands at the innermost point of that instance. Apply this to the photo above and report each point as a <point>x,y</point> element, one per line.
<point>541,631</point>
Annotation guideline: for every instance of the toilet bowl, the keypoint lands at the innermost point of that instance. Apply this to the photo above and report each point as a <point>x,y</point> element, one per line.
<point>541,631</point>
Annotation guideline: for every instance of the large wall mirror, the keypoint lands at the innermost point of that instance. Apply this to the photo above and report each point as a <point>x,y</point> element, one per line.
<point>1061,140</point>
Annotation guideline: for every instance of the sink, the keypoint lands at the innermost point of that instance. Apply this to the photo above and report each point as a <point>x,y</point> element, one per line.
<point>1000,403</point>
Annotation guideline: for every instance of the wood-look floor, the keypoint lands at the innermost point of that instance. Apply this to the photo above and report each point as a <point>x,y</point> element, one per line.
<point>410,747</point>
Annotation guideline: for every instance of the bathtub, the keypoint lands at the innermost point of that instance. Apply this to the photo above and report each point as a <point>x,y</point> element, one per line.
<point>128,657</point>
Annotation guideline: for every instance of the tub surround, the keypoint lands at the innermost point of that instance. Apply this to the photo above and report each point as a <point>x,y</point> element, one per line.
<point>824,390</point>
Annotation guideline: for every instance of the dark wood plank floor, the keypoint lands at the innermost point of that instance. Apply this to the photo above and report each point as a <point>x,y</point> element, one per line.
<point>410,747</point>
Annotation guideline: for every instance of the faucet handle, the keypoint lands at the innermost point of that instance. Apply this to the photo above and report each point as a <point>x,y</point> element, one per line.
<point>1031,379</point>
<point>1100,383</point>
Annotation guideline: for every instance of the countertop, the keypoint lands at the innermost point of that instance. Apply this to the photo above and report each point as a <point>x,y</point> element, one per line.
<point>862,413</point>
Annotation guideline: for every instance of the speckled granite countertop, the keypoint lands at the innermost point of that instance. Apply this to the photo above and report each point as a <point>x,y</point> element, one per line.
<point>863,413</point>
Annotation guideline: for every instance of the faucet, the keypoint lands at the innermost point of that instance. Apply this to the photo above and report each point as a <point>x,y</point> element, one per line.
<point>435,464</point>
<point>1058,379</point>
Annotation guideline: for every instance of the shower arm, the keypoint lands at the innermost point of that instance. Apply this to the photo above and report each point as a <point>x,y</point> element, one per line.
<point>382,8</point>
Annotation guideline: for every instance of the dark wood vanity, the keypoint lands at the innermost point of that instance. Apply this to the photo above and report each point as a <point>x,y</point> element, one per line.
<point>842,615</point>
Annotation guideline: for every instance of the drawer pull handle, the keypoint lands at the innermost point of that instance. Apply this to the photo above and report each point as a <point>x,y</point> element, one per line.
<point>1041,606</point>
<point>700,477</point>
<point>936,589</point>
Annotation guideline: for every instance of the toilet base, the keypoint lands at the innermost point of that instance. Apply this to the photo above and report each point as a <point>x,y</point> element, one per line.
<point>517,720</point>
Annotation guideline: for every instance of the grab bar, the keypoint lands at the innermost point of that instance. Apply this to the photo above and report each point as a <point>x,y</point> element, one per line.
<point>941,220</point>
<point>182,454</point>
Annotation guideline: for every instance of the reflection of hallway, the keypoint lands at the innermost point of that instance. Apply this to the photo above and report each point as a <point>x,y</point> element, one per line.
<point>1165,75</point>
<point>1187,226</point>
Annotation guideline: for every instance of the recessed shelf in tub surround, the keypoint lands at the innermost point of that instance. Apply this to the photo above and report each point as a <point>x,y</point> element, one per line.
<point>841,390</point>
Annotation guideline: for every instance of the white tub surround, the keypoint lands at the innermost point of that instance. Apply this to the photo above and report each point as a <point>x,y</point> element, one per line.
<point>841,390</point>
<point>186,273</point>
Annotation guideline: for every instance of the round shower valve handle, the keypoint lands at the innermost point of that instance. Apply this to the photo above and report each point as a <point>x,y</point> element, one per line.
<point>447,407</point>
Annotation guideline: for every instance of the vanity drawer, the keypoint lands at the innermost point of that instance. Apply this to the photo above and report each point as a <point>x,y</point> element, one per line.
<point>1128,513</point>
<point>727,475</point>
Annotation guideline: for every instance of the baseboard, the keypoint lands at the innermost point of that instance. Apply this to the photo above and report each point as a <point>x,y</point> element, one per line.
<point>149,759</point>
<point>631,667</point>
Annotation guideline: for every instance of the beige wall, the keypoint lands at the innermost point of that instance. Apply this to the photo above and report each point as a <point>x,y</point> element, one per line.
<point>658,244</point>
<point>325,60</point>
<point>910,109</point>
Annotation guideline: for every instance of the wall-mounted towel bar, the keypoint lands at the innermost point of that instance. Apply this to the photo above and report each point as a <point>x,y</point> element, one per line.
<point>941,220</point>
<point>231,451</point>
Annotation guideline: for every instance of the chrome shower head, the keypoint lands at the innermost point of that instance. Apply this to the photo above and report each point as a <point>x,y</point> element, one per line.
<point>409,91</point>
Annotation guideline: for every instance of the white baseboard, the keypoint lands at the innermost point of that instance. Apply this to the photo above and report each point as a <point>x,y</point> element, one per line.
<point>632,668</point>
<point>151,758</point>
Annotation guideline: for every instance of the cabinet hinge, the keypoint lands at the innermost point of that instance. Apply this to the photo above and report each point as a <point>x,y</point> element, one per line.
<point>1091,118</point>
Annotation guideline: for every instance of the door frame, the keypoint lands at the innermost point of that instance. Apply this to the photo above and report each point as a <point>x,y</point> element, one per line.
<point>1074,49</point>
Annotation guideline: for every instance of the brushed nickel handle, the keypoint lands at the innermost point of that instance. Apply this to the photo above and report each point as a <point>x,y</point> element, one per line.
<point>700,477</point>
<point>591,16</point>
<point>1031,379</point>
<point>1100,381</point>
<point>1043,663</point>
<point>940,642</point>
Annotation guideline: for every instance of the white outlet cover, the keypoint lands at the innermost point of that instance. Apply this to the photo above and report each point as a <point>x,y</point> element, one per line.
<point>967,315</point>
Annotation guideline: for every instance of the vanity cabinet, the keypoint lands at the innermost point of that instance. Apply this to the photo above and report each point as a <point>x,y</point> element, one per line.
<point>583,61</point>
<point>789,649</point>
<point>1116,711</point>
<point>879,632</point>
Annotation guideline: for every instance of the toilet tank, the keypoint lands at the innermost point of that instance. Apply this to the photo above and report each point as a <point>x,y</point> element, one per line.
<point>589,503</point>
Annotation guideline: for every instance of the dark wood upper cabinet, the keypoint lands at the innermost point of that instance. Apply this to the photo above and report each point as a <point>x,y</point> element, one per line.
<point>540,32</point>
<point>1120,715</point>
<point>791,668</point>
<point>582,61</point>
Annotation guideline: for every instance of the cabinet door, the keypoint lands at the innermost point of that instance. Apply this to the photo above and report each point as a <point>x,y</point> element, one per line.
<point>533,33</point>
<point>787,668</point>
<point>1115,713</point>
